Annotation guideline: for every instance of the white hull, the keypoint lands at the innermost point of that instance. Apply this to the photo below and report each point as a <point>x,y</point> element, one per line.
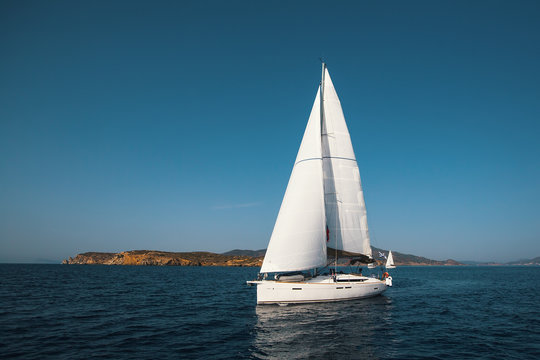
<point>319,289</point>
<point>390,266</point>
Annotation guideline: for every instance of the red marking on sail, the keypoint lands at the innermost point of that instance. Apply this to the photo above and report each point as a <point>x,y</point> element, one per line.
<point>327,234</point>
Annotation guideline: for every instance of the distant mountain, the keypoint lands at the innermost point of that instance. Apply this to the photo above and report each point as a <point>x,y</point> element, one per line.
<point>529,262</point>
<point>252,253</point>
<point>522,262</point>
<point>407,259</point>
<point>481,263</point>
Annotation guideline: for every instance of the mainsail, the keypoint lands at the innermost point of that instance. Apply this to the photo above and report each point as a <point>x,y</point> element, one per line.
<point>324,193</point>
<point>344,198</point>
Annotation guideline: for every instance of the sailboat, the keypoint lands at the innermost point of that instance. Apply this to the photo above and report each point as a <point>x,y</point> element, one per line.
<point>390,261</point>
<point>322,216</point>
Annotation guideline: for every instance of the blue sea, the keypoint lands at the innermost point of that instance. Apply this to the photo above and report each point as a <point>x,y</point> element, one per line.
<point>124,312</point>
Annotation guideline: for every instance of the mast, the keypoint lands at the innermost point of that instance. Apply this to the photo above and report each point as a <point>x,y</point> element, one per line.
<point>324,127</point>
<point>322,96</point>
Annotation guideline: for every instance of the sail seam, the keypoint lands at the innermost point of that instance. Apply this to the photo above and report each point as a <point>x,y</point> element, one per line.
<point>299,161</point>
<point>337,157</point>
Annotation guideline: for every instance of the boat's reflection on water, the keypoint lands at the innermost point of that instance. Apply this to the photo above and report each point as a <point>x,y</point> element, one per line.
<point>353,329</point>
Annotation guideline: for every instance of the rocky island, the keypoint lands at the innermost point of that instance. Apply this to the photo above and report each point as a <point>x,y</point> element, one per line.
<point>163,258</point>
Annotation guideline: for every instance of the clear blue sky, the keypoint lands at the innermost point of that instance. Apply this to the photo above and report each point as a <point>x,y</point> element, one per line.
<point>174,125</point>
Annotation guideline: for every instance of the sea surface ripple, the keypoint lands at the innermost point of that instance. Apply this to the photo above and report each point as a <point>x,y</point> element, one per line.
<point>126,312</point>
